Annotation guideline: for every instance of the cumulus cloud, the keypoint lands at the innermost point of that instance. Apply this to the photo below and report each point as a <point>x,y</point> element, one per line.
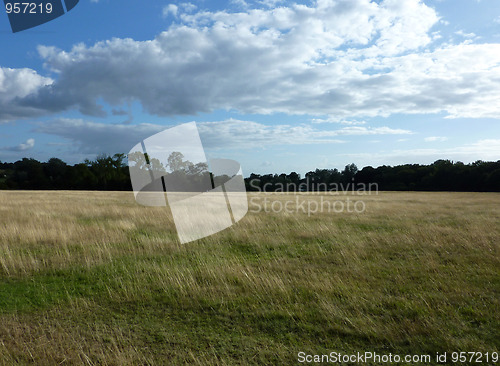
<point>170,9</point>
<point>28,145</point>
<point>342,58</point>
<point>188,7</point>
<point>15,86</point>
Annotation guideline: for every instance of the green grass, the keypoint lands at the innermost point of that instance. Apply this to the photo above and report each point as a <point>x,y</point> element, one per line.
<point>82,283</point>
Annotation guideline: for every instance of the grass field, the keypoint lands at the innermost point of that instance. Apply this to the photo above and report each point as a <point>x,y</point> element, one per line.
<point>93,278</point>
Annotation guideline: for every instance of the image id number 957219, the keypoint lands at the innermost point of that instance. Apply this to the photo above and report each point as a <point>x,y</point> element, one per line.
<point>28,8</point>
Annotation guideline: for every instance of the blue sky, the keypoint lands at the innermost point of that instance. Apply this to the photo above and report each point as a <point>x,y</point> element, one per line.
<point>278,86</point>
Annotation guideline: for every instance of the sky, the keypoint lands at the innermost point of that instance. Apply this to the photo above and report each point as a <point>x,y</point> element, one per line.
<point>278,86</point>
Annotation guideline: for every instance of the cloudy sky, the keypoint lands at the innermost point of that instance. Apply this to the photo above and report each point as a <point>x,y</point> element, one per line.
<point>279,86</point>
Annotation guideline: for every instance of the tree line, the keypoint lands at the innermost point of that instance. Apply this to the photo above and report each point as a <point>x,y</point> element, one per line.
<point>112,173</point>
<point>107,173</point>
<point>442,175</point>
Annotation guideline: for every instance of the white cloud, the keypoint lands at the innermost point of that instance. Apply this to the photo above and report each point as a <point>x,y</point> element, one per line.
<point>356,130</point>
<point>249,134</point>
<point>16,84</point>
<point>95,138</point>
<point>28,145</point>
<point>237,133</point>
<point>170,9</point>
<point>489,147</point>
<point>270,3</point>
<point>336,120</point>
<point>487,150</point>
<point>242,4</point>
<point>465,35</point>
<point>188,7</point>
<point>348,59</point>
<point>435,138</point>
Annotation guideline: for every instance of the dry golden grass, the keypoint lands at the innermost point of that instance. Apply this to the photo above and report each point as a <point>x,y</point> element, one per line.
<point>94,278</point>
<point>42,230</point>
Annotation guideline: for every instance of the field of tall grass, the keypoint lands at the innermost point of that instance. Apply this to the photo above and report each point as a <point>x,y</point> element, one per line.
<point>92,278</point>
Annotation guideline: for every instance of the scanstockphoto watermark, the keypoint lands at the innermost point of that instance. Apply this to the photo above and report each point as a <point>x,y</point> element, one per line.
<point>310,198</point>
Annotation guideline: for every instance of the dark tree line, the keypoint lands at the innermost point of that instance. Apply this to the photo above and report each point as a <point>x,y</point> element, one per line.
<point>107,173</point>
<point>442,175</point>
<point>112,173</point>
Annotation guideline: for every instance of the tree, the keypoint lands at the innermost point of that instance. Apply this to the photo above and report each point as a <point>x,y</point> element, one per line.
<point>349,173</point>
<point>176,161</point>
<point>56,171</point>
